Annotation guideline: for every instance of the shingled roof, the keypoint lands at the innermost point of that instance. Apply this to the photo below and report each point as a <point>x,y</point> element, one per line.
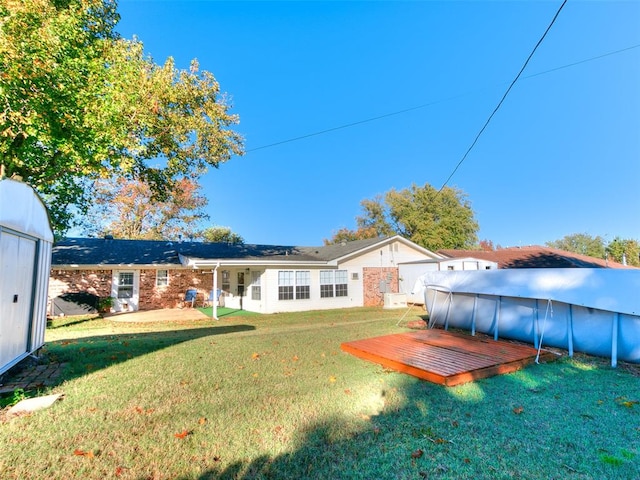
<point>106,251</point>
<point>534,257</point>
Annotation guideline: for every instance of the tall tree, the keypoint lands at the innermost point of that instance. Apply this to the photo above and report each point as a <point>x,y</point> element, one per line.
<point>581,243</point>
<point>125,209</point>
<point>431,218</point>
<point>221,234</point>
<point>80,103</point>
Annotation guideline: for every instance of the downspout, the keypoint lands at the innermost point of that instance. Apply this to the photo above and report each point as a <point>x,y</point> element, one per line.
<point>215,291</point>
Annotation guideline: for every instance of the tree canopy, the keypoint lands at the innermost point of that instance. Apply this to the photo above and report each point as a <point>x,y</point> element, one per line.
<point>220,234</point>
<point>431,218</point>
<point>581,243</point>
<point>80,103</point>
<point>124,208</point>
<point>619,249</point>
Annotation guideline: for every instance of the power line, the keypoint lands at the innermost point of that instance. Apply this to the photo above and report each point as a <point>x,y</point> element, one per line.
<point>435,102</point>
<point>486,124</point>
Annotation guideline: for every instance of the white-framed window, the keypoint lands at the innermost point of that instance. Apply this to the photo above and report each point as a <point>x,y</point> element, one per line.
<point>285,285</point>
<point>256,288</point>
<point>294,284</point>
<point>226,281</point>
<point>333,283</point>
<point>303,285</point>
<point>162,278</point>
<point>125,285</point>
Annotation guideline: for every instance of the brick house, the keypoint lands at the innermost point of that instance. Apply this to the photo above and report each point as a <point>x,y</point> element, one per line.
<point>149,274</point>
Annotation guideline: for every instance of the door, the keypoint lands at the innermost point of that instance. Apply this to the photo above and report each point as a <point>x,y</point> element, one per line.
<point>125,290</point>
<point>17,271</point>
<point>240,284</point>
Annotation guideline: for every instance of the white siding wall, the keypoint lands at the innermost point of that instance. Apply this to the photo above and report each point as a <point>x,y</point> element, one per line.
<point>385,256</point>
<point>271,304</point>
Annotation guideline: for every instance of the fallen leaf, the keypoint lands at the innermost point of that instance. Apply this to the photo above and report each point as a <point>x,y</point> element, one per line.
<point>417,454</point>
<point>518,410</point>
<point>202,420</point>
<point>332,378</point>
<point>255,374</point>
<point>347,391</point>
<point>255,356</point>
<point>295,358</point>
<point>83,453</point>
<point>182,434</point>
<point>467,460</point>
<point>120,471</point>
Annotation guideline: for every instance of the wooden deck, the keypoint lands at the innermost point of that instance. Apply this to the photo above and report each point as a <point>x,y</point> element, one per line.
<point>444,357</point>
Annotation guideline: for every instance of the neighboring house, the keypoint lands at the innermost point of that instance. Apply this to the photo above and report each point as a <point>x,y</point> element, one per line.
<point>148,274</point>
<point>534,257</point>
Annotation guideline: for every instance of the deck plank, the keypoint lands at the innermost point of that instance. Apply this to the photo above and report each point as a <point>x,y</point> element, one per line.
<point>443,357</point>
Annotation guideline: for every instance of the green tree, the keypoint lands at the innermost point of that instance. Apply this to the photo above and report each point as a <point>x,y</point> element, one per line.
<point>581,243</point>
<point>624,251</point>
<point>430,218</point>
<point>80,103</point>
<point>220,234</point>
<point>346,235</point>
<point>124,208</point>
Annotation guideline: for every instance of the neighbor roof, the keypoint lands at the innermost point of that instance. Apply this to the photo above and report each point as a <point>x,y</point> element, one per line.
<point>534,257</point>
<point>105,251</point>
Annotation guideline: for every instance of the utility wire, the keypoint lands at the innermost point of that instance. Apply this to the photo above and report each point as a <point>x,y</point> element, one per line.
<point>435,102</point>
<point>486,124</point>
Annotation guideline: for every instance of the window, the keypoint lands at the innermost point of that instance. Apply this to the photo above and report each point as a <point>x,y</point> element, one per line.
<point>450,267</point>
<point>226,281</point>
<point>256,290</point>
<point>333,283</point>
<point>285,285</point>
<point>125,285</point>
<point>326,283</point>
<point>162,278</point>
<point>341,283</point>
<point>290,282</point>
<point>303,280</point>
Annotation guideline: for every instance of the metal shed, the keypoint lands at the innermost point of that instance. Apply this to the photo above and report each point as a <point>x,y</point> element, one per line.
<point>26,240</point>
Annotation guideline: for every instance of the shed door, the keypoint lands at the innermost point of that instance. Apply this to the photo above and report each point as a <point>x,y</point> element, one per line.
<point>17,268</point>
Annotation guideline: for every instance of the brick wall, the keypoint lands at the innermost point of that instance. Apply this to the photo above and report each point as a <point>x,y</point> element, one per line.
<point>172,295</point>
<point>98,282</point>
<point>372,277</point>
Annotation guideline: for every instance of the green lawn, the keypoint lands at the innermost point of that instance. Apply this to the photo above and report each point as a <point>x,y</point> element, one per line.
<point>273,396</point>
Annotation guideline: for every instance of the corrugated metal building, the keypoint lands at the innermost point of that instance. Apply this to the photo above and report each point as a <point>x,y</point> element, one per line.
<point>26,240</point>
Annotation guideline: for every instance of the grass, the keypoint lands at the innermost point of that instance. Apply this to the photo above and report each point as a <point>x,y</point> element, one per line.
<point>227,312</point>
<point>273,396</point>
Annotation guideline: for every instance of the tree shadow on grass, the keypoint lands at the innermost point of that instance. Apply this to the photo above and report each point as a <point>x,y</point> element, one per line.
<point>89,354</point>
<point>532,424</point>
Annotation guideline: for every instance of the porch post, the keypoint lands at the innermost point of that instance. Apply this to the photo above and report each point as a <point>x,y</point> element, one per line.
<point>215,291</point>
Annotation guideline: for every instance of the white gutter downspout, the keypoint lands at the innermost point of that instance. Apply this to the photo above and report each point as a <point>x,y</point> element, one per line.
<point>215,292</point>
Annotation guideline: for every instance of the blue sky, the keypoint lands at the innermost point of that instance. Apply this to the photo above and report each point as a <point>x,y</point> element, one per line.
<point>561,156</point>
